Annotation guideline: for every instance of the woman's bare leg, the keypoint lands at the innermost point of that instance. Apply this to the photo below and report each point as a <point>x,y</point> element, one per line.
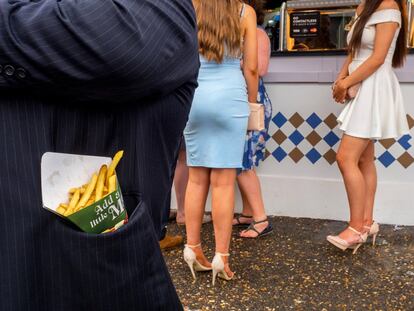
<point>247,211</point>
<point>348,157</point>
<point>195,201</point>
<point>249,185</point>
<point>369,171</point>
<point>222,183</point>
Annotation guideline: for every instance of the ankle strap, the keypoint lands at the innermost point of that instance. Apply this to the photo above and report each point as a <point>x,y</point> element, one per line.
<point>356,231</point>
<point>193,246</point>
<point>369,227</point>
<point>260,222</point>
<point>223,255</point>
<point>244,216</point>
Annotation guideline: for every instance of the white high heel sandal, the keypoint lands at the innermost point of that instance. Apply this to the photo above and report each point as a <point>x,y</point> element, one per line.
<point>373,231</point>
<point>191,259</point>
<point>343,244</point>
<point>218,268</point>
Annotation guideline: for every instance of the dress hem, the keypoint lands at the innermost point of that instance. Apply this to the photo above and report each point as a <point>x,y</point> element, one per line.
<point>356,135</point>
<point>235,166</point>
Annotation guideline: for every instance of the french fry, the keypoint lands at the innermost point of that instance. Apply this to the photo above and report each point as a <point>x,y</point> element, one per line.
<point>112,184</point>
<point>105,191</point>
<point>100,183</point>
<point>62,208</point>
<point>82,190</point>
<point>88,192</point>
<point>112,166</point>
<point>73,202</point>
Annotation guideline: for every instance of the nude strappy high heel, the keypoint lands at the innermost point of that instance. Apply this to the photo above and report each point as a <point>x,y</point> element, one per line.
<point>343,244</point>
<point>191,259</point>
<point>218,268</point>
<point>373,231</point>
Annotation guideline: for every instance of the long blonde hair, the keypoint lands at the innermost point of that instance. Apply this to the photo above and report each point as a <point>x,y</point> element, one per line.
<point>219,28</point>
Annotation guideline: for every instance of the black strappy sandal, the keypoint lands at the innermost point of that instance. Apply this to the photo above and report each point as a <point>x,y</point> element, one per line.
<point>268,230</point>
<point>239,223</point>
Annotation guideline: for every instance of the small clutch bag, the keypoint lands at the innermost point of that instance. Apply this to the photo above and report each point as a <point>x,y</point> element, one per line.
<point>256,117</point>
<point>353,90</point>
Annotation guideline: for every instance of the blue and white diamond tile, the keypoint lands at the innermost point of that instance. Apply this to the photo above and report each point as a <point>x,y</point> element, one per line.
<point>296,137</point>
<point>331,139</point>
<point>279,154</point>
<point>404,141</point>
<point>386,159</point>
<point>313,155</point>
<point>388,153</point>
<point>279,119</point>
<point>313,120</point>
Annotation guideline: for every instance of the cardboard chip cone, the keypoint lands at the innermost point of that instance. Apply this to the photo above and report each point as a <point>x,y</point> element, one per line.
<point>61,172</point>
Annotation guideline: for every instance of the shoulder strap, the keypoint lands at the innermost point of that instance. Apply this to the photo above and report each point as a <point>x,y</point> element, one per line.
<point>384,16</point>
<point>242,10</point>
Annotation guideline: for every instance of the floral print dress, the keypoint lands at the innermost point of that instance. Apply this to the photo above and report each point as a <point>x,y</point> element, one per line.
<point>254,149</point>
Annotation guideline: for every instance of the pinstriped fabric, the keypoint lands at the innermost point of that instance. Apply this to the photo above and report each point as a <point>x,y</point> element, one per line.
<point>48,265</point>
<point>130,46</point>
<point>101,76</point>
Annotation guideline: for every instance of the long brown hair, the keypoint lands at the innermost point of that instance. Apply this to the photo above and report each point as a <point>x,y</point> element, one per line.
<point>219,28</point>
<point>370,7</point>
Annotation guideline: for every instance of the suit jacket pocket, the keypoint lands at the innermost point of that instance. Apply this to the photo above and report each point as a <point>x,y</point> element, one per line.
<point>122,270</point>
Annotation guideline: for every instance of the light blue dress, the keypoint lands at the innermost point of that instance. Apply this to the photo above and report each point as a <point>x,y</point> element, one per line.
<point>216,129</point>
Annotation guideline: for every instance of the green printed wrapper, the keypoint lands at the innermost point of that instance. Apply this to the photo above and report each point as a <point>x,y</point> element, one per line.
<point>106,214</point>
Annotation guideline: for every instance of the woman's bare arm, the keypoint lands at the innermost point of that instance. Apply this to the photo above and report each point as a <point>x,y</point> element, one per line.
<point>263,42</point>
<point>344,70</point>
<point>250,59</point>
<point>384,35</point>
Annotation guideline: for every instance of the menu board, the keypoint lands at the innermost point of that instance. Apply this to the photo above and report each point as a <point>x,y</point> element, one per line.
<point>305,24</point>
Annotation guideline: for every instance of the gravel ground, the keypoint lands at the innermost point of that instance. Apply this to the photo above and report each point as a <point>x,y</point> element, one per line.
<point>296,269</point>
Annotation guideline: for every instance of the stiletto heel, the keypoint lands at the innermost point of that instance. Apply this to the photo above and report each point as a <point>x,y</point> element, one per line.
<point>214,276</point>
<point>191,266</point>
<point>356,248</point>
<point>373,231</point>
<point>344,245</point>
<point>191,259</point>
<point>218,268</point>
<point>374,237</point>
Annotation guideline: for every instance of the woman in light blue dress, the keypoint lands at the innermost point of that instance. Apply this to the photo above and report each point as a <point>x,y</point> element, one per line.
<point>217,125</point>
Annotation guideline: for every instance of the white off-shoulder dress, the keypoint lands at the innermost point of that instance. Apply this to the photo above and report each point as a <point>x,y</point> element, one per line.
<point>377,111</point>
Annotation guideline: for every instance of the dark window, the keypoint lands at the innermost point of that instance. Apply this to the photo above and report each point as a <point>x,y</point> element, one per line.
<point>272,4</point>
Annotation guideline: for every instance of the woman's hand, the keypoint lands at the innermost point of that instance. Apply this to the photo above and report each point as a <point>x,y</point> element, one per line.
<point>339,78</point>
<point>340,89</point>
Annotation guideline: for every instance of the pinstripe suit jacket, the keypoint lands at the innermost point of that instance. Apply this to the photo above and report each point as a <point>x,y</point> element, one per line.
<point>91,77</point>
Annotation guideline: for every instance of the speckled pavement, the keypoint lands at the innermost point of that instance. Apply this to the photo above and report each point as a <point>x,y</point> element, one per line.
<point>296,269</point>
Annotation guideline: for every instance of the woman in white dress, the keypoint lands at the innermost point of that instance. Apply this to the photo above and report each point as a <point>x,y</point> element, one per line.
<point>374,108</point>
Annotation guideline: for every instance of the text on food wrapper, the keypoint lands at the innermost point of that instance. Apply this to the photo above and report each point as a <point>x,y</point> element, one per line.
<point>109,208</point>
